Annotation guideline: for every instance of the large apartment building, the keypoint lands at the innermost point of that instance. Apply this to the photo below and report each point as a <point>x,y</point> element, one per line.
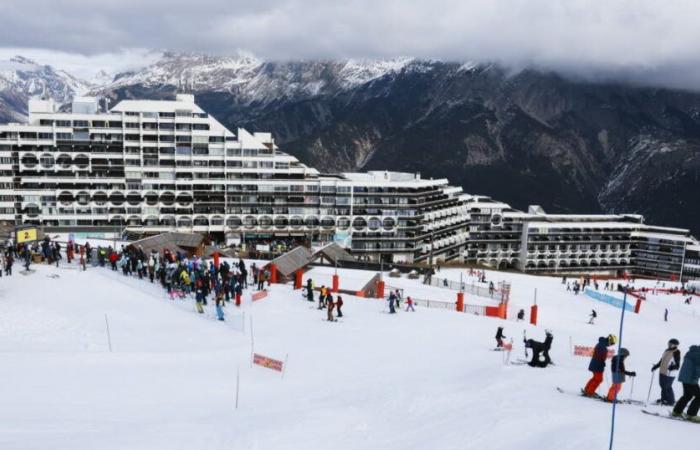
<point>154,166</point>
<point>537,242</point>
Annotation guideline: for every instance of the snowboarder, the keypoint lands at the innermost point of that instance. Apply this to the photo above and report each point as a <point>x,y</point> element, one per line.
<point>597,364</point>
<point>669,363</point>
<point>689,374</point>
<point>592,317</point>
<point>540,348</point>
<point>617,367</point>
<point>499,337</point>
<point>409,304</point>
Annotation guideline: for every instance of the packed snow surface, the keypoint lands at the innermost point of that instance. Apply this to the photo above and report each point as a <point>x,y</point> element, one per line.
<point>419,380</point>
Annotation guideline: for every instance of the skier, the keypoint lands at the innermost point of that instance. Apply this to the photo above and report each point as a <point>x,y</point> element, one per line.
<point>597,364</point>
<point>491,288</point>
<point>670,362</point>
<point>322,297</point>
<point>330,304</point>
<point>219,309</point>
<point>540,348</point>
<point>689,374</point>
<point>392,299</point>
<point>521,315</point>
<point>409,304</point>
<point>617,367</point>
<point>592,317</point>
<point>309,290</point>
<point>666,315</point>
<point>338,305</point>
<point>499,337</point>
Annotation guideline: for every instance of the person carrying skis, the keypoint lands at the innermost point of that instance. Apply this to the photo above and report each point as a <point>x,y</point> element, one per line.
<point>617,367</point>
<point>499,337</point>
<point>689,374</point>
<point>592,317</point>
<point>597,364</point>
<point>670,362</point>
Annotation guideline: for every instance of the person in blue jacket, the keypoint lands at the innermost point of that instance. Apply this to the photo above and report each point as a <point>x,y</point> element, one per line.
<point>617,366</point>
<point>597,364</point>
<point>689,374</point>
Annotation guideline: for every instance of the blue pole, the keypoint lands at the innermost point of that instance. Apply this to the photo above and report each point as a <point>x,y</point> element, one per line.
<point>619,347</point>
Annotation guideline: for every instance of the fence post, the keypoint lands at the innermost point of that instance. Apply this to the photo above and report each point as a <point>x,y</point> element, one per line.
<point>380,289</point>
<point>297,278</point>
<point>638,306</point>
<point>273,273</point>
<point>460,301</point>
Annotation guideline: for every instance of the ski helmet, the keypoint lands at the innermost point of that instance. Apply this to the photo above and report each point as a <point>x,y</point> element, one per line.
<point>612,339</point>
<point>624,352</point>
<point>673,343</point>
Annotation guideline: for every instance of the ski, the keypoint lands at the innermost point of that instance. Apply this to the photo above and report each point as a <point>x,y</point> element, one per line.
<point>601,398</point>
<point>666,416</point>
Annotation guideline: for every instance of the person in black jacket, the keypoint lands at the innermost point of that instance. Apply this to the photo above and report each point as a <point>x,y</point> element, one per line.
<point>540,348</point>
<point>499,337</point>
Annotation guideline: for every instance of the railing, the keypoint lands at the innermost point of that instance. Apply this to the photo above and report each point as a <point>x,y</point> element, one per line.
<point>472,288</point>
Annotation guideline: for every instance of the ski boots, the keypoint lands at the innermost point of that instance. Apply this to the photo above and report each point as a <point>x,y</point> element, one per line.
<point>694,419</point>
<point>677,414</point>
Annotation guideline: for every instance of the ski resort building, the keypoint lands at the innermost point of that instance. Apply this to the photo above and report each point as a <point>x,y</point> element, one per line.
<point>155,166</point>
<point>152,166</point>
<point>534,241</point>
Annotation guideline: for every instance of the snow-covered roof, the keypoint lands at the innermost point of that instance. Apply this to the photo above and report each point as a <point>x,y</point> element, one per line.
<point>168,106</point>
<point>666,236</point>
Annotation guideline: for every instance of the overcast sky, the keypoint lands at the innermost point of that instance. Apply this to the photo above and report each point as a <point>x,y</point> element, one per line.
<point>656,41</point>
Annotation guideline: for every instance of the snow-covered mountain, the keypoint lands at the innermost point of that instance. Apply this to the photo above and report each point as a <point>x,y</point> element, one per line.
<point>22,78</point>
<point>569,145</point>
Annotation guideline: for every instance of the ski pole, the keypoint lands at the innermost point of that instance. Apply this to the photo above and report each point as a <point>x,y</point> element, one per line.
<point>651,383</point>
<point>632,387</point>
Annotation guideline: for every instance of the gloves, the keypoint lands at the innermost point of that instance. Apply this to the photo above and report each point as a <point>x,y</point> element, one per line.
<point>673,367</point>
<point>633,374</point>
<point>654,367</point>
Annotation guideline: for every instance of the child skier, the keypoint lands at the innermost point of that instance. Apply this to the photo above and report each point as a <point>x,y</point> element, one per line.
<point>592,317</point>
<point>499,337</point>
<point>597,364</point>
<point>409,304</point>
<point>617,366</point>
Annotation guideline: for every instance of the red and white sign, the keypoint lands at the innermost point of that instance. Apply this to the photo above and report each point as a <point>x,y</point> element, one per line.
<point>270,363</point>
<point>582,350</point>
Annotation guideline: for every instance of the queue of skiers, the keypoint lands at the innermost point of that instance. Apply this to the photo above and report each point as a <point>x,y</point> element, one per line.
<point>667,365</point>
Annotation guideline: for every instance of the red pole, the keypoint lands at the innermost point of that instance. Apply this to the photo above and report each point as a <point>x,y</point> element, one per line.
<point>533,315</point>
<point>297,278</point>
<point>238,299</point>
<point>460,301</point>
<point>380,289</point>
<point>336,282</point>
<point>273,273</point>
<point>638,306</point>
<point>216,259</point>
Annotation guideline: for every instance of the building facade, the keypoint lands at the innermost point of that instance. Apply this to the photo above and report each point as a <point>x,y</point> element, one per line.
<point>154,166</point>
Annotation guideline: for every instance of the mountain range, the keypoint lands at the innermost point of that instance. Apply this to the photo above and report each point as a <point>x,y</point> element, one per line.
<point>526,137</point>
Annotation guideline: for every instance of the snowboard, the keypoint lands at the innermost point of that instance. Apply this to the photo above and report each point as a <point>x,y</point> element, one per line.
<point>666,416</point>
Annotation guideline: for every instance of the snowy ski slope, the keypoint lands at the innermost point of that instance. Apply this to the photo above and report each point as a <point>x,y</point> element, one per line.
<point>419,380</point>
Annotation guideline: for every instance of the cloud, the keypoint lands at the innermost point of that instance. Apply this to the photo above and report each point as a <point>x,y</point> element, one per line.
<point>642,40</point>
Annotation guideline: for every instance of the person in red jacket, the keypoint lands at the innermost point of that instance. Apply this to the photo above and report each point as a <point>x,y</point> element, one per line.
<point>113,257</point>
<point>597,364</point>
<point>338,305</point>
